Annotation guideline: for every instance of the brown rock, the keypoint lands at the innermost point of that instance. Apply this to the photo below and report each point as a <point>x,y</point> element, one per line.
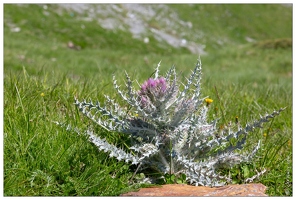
<point>189,190</point>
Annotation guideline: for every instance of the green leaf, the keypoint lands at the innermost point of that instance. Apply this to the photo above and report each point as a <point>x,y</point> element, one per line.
<point>246,171</point>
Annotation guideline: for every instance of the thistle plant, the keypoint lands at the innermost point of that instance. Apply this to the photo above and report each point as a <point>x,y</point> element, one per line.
<point>166,123</point>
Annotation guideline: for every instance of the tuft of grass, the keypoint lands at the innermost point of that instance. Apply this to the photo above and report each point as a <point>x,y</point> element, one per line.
<point>41,159</point>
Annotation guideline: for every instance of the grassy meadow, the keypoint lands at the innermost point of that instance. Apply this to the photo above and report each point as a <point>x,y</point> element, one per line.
<point>42,75</point>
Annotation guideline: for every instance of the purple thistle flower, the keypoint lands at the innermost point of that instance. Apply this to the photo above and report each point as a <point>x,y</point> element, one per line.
<point>144,101</point>
<point>144,86</point>
<point>152,90</point>
<point>162,84</point>
<point>162,80</point>
<point>151,83</point>
<point>163,88</point>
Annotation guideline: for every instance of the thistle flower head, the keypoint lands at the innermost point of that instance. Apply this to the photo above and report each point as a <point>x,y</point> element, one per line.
<point>144,101</point>
<point>151,83</point>
<point>152,90</point>
<point>155,86</point>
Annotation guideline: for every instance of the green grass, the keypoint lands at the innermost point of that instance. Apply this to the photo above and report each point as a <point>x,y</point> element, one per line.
<point>42,76</point>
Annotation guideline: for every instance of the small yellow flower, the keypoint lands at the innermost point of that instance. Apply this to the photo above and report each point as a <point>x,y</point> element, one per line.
<point>136,115</point>
<point>236,119</point>
<point>42,94</point>
<point>208,101</point>
<point>264,134</point>
<point>289,143</point>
